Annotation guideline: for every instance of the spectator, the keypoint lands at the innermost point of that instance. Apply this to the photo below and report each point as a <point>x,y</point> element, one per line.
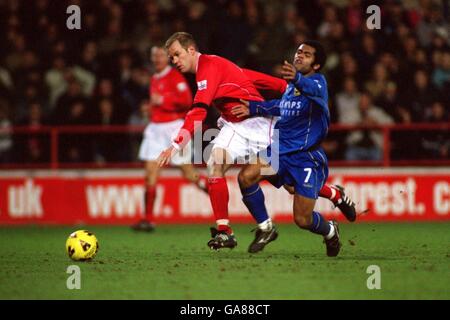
<point>76,148</point>
<point>389,101</point>
<point>366,144</point>
<point>354,17</point>
<point>6,84</point>
<point>423,95</point>
<point>376,86</point>
<point>54,78</point>
<point>105,151</point>
<point>436,144</point>
<point>5,137</point>
<point>441,73</point>
<point>329,20</point>
<point>234,34</point>
<point>62,111</point>
<point>367,54</point>
<point>15,57</point>
<point>89,58</point>
<point>347,100</point>
<point>199,23</point>
<point>33,147</point>
<point>140,116</point>
<point>270,39</point>
<point>431,22</point>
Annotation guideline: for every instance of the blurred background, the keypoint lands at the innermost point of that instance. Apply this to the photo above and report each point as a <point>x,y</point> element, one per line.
<point>55,83</point>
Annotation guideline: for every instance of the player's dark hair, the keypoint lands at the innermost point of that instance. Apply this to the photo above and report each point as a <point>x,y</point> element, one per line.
<point>185,39</point>
<point>320,57</point>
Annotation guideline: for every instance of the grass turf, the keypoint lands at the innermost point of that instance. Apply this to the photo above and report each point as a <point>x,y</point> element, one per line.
<point>175,263</point>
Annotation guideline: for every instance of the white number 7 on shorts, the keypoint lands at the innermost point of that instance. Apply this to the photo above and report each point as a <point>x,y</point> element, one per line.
<point>309,170</point>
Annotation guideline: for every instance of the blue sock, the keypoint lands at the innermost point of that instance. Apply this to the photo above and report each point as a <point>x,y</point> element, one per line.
<point>319,225</point>
<point>253,198</point>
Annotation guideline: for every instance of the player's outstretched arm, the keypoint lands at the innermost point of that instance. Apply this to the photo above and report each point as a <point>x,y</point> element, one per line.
<point>264,81</point>
<point>194,119</point>
<point>257,108</point>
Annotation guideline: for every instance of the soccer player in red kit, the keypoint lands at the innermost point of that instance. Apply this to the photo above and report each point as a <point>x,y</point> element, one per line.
<point>220,83</point>
<point>170,99</point>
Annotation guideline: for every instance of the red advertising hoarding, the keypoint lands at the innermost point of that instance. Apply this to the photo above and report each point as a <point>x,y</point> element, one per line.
<point>116,197</point>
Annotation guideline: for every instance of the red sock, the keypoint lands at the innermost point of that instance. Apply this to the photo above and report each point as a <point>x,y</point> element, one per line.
<point>150,195</point>
<point>330,193</point>
<point>202,183</point>
<point>218,193</point>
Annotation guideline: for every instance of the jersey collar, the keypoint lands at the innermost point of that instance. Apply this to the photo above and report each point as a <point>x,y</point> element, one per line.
<point>164,72</point>
<point>198,59</point>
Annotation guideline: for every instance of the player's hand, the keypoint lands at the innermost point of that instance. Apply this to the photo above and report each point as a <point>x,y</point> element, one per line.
<point>288,71</point>
<point>156,99</point>
<point>165,156</point>
<point>241,110</point>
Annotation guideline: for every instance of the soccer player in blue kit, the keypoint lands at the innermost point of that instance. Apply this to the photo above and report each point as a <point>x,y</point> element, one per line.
<point>302,163</point>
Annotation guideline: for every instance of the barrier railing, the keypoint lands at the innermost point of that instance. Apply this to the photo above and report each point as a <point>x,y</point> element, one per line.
<point>54,137</point>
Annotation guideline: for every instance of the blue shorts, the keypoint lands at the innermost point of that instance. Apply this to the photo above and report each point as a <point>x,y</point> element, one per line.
<point>306,171</point>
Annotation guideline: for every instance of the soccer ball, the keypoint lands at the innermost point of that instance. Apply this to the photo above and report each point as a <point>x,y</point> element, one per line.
<point>82,245</point>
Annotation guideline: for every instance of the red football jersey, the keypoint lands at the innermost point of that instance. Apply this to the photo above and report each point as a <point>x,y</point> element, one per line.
<point>176,95</point>
<point>222,83</point>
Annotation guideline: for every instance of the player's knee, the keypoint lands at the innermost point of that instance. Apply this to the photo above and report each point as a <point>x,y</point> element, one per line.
<point>192,177</point>
<point>247,177</point>
<point>150,181</point>
<point>302,215</point>
<point>302,221</point>
<point>215,170</point>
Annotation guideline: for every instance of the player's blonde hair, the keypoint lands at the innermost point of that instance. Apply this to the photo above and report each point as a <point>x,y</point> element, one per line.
<point>185,39</point>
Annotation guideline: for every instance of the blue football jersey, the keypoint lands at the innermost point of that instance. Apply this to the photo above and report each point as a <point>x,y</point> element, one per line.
<point>303,113</point>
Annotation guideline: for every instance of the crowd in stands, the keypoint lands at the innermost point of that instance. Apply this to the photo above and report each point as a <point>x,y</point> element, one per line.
<point>98,75</point>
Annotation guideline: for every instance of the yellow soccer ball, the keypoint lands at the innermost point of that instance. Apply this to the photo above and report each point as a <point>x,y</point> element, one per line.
<point>82,245</point>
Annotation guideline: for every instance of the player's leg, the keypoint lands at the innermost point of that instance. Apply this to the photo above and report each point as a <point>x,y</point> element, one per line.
<point>253,198</point>
<point>151,178</point>
<point>306,218</point>
<point>308,172</point>
<point>183,160</point>
<point>191,174</point>
<point>336,194</point>
<point>220,161</point>
<point>249,178</point>
<point>155,139</point>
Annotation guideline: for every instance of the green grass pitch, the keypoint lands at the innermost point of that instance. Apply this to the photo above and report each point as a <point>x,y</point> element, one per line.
<point>175,263</point>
